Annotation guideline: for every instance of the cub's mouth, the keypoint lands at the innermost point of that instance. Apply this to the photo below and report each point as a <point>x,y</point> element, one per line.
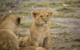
<point>45,24</point>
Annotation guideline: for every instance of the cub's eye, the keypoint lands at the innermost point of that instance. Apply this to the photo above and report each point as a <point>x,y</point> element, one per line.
<point>47,15</point>
<point>41,16</point>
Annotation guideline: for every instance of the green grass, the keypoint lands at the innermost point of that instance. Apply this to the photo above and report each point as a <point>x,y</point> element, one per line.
<point>64,33</point>
<point>52,33</point>
<point>22,12</point>
<point>41,5</point>
<point>1,15</point>
<point>75,44</point>
<point>66,9</point>
<point>59,4</point>
<point>27,24</point>
<point>58,15</point>
<point>63,15</point>
<point>28,4</point>
<point>21,34</point>
<point>75,3</point>
<point>77,39</point>
<point>2,9</point>
<point>47,4</point>
<point>6,3</point>
<point>67,1</point>
<point>52,25</point>
<point>53,4</point>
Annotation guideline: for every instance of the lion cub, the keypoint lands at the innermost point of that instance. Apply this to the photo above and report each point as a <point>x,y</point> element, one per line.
<point>8,40</point>
<point>40,30</point>
<point>32,48</point>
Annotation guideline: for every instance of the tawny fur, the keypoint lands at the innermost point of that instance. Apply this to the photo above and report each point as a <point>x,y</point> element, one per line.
<point>23,41</point>
<point>40,30</point>
<point>9,26</point>
<point>11,22</point>
<point>32,48</point>
<point>8,40</point>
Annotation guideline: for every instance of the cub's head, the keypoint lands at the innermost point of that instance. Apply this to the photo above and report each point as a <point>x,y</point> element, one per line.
<point>11,22</point>
<point>42,17</point>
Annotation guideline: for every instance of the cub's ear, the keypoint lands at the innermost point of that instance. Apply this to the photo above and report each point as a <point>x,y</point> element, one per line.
<point>50,12</point>
<point>18,20</point>
<point>34,13</point>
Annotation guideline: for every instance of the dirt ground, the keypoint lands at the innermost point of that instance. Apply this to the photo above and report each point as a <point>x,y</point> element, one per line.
<point>67,38</point>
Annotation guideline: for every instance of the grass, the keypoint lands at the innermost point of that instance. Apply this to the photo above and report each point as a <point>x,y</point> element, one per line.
<point>52,25</point>
<point>58,15</point>
<point>63,15</point>
<point>22,12</point>
<point>28,4</point>
<point>64,33</point>
<point>75,44</point>
<point>47,4</point>
<point>60,47</point>
<point>41,5</point>
<point>52,33</point>
<point>21,34</point>
<point>75,3</point>
<point>2,9</point>
<point>59,4</point>
<point>67,1</point>
<point>61,33</point>
<point>27,24</point>
<point>66,9</point>
<point>6,3</point>
<point>1,15</point>
<point>77,39</point>
<point>76,48</point>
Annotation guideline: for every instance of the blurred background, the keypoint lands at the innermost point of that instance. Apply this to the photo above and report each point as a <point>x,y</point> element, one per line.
<point>65,23</point>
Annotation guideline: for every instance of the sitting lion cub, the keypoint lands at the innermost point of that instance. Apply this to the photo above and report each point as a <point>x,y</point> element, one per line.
<point>9,26</point>
<point>40,30</point>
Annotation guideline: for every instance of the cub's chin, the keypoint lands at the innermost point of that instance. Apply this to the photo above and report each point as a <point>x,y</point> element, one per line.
<point>45,24</point>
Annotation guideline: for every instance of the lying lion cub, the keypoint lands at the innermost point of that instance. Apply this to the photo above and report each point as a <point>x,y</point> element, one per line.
<point>40,30</point>
<point>32,48</point>
<point>23,43</point>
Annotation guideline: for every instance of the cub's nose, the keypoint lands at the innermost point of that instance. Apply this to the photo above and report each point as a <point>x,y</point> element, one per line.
<point>45,21</point>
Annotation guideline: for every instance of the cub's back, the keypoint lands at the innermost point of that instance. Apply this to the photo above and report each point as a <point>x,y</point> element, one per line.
<point>8,40</point>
